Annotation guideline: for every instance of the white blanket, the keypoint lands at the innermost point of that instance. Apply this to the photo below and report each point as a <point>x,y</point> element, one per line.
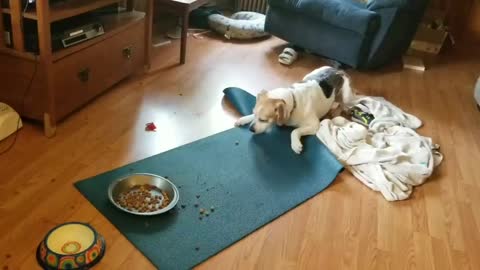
<point>386,114</point>
<point>389,156</point>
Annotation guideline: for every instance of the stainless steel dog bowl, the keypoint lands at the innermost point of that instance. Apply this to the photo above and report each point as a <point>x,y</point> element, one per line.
<point>124,184</point>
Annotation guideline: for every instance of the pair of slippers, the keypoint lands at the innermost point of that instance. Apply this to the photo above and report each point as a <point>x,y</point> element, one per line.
<point>288,56</point>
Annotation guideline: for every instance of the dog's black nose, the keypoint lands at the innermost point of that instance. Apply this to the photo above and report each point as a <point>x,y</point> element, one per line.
<point>252,128</point>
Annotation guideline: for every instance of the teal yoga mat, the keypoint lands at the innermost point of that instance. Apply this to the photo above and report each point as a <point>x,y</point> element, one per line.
<point>249,180</point>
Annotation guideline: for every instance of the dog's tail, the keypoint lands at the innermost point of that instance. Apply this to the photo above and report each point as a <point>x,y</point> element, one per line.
<point>346,93</point>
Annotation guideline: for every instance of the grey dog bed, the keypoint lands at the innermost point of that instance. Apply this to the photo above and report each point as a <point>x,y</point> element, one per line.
<point>241,25</point>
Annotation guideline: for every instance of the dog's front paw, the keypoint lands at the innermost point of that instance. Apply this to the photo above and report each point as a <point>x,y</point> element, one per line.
<point>239,123</point>
<point>297,146</point>
<point>243,121</point>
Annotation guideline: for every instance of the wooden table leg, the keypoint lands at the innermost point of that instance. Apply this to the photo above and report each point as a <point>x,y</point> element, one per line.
<point>183,46</point>
<point>2,39</point>
<point>148,35</point>
<point>49,125</point>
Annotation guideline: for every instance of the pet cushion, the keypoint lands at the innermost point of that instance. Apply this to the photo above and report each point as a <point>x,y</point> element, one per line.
<point>242,25</point>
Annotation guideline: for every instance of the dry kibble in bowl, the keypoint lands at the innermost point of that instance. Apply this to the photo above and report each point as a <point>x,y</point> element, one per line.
<point>143,198</point>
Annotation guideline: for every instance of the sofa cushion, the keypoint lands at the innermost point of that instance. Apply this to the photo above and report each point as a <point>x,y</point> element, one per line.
<point>340,13</point>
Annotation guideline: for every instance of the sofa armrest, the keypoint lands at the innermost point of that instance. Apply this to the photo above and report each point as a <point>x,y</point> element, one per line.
<point>338,13</point>
<point>412,5</point>
<point>399,22</point>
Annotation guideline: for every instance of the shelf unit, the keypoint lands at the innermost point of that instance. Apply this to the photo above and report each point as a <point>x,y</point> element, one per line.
<point>64,80</point>
<point>112,24</point>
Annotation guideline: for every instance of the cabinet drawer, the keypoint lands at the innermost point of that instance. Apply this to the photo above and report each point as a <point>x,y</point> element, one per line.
<point>83,75</point>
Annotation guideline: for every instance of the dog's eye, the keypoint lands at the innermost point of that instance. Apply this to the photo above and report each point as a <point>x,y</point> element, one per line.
<point>262,120</point>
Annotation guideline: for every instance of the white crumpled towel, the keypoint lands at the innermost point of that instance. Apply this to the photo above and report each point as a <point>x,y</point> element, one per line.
<point>386,114</point>
<point>389,157</point>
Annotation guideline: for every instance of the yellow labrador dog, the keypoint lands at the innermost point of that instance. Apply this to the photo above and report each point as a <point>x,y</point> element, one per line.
<point>301,105</point>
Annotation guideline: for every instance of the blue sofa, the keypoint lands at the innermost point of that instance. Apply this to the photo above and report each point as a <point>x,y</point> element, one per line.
<point>360,34</point>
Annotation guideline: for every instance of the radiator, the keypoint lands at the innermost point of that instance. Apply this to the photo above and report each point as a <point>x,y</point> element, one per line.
<point>259,6</point>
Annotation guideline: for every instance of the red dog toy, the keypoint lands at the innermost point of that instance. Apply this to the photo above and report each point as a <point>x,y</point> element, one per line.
<point>150,127</point>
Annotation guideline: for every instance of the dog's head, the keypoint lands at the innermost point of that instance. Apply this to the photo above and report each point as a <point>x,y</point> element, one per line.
<point>268,112</point>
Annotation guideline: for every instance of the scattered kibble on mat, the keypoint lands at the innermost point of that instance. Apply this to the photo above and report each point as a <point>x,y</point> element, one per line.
<point>197,248</point>
<point>196,205</point>
<point>237,142</point>
<point>143,199</point>
<point>198,196</point>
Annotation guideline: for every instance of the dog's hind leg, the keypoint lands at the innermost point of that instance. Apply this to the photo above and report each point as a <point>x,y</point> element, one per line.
<point>244,120</point>
<point>298,133</point>
<point>347,94</point>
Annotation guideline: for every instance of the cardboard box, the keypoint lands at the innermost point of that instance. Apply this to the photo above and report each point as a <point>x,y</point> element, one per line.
<point>428,40</point>
<point>431,33</point>
<point>434,16</point>
<point>413,62</point>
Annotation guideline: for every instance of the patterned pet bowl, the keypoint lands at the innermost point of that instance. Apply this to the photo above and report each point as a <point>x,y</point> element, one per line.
<point>72,246</point>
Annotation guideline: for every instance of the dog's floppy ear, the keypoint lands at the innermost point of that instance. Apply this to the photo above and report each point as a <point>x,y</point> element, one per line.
<point>262,94</point>
<point>281,114</point>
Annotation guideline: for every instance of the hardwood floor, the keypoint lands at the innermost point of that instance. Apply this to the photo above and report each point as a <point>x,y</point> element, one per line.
<point>348,226</point>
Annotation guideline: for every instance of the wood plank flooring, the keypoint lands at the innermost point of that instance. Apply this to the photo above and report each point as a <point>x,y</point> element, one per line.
<point>348,226</point>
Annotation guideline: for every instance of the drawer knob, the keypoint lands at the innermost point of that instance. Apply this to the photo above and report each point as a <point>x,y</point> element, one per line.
<point>127,52</point>
<point>84,75</point>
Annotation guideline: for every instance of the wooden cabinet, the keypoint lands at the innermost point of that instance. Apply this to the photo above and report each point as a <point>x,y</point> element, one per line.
<point>50,85</point>
<point>85,74</point>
